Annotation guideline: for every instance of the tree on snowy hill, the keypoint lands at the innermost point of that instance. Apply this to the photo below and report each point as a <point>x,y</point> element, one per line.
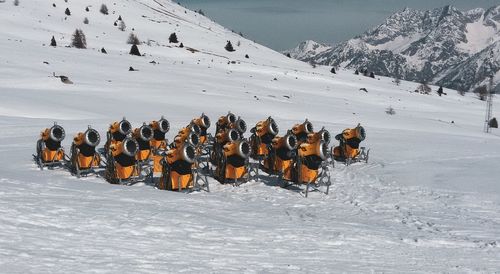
<point>78,40</point>
<point>67,12</point>
<point>122,26</point>
<point>104,9</point>
<point>87,9</point>
<point>424,89</point>
<point>333,70</point>
<point>173,38</point>
<point>134,50</point>
<point>53,42</point>
<point>86,21</point>
<point>16,2</point>
<point>229,46</point>
<point>397,81</point>
<point>481,92</point>
<point>133,39</point>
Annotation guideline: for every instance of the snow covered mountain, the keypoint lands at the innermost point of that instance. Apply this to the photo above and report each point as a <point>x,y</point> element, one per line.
<point>306,49</point>
<point>427,201</point>
<point>424,46</point>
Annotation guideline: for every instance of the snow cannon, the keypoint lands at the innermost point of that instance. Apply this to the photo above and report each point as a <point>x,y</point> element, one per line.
<point>84,157</point>
<point>187,134</point>
<point>240,126</point>
<point>282,155</point>
<point>177,170</point>
<point>348,150</point>
<point>203,122</point>
<point>222,138</point>
<point>143,137</point>
<point>117,132</point>
<point>49,151</point>
<point>224,122</point>
<point>233,167</point>
<point>122,161</point>
<point>159,142</point>
<point>322,135</point>
<point>302,130</point>
<point>262,136</point>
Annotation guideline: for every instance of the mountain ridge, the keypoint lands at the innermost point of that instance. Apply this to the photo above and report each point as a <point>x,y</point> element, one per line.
<point>422,46</point>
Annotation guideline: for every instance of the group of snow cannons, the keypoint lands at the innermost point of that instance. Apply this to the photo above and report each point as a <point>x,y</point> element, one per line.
<point>300,157</point>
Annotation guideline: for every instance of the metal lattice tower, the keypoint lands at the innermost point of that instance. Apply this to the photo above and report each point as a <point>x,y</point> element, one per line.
<point>489,106</point>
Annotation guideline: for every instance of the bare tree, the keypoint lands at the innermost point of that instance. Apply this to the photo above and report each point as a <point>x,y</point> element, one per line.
<point>122,25</point>
<point>133,39</point>
<point>104,9</point>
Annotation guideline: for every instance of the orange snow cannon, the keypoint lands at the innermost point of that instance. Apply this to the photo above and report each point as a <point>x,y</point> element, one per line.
<point>302,130</point>
<point>49,151</point>
<point>188,134</point>
<point>177,171</point>
<point>348,150</point>
<point>203,122</point>
<point>281,157</point>
<point>84,157</point>
<point>143,136</point>
<point>224,122</point>
<point>117,132</point>
<point>262,136</point>
<point>233,167</point>
<point>122,162</point>
<point>159,142</point>
<point>222,138</point>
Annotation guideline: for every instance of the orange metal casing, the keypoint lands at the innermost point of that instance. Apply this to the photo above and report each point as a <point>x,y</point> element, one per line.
<point>52,155</point>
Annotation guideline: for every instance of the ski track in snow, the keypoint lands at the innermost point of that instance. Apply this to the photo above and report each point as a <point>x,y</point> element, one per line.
<point>428,201</point>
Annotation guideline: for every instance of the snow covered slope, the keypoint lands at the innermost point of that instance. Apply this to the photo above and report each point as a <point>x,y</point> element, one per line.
<point>423,46</point>
<point>428,201</point>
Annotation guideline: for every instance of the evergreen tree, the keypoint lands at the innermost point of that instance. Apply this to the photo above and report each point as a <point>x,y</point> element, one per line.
<point>133,39</point>
<point>103,50</point>
<point>440,91</point>
<point>134,50</point>
<point>288,55</point>
<point>246,56</point>
<point>229,46</point>
<point>119,18</point>
<point>67,12</point>
<point>53,42</point>
<point>372,75</point>
<point>16,3</point>
<point>356,72</point>
<point>78,40</point>
<point>87,9</point>
<point>104,9</point>
<point>122,26</point>
<point>86,21</point>
<point>333,70</point>
<point>181,45</point>
<point>173,38</point>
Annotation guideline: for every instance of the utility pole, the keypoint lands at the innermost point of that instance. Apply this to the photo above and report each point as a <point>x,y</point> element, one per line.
<point>489,106</point>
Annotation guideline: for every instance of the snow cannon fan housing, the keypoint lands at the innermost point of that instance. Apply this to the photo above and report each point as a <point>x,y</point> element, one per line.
<point>228,135</point>
<point>311,157</point>
<point>87,141</point>
<point>236,154</point>
<point>83,152</point>
<point>203,122</point>
<point>177,172</point>
<point>302,130</point>
<point>284,150</point>
<point>186,135</point>
<point>263,135</point>
<point>160,129</point>
<point>322,135</point>
<point>240,125</point>
<point>49,147</point>
<point>349,139</point>
<point>120,130</point>
<point>224,122</point>
<point>143,136</point>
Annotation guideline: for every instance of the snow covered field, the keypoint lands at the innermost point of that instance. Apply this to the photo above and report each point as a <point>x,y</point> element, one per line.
<point>428,200</point>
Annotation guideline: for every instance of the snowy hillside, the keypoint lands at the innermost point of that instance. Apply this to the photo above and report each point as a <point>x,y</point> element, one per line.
<point>428,200</point>
<point>424,46</point>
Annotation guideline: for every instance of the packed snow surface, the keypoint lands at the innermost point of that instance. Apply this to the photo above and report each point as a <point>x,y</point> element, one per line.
<point>427,201</point>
